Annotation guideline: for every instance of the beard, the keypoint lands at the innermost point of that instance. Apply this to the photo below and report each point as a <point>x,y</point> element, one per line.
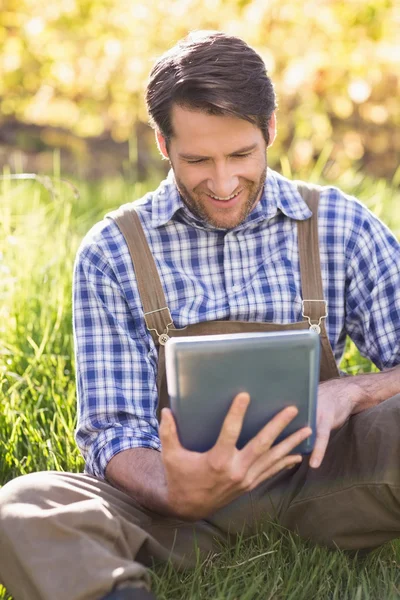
<point>220,219</point>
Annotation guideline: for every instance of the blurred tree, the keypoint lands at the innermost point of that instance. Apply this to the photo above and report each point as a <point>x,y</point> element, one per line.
<point>83,64</point>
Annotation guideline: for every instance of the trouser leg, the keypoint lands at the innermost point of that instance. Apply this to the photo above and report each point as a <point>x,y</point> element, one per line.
<point>73,537</point>
<point>352,501</point>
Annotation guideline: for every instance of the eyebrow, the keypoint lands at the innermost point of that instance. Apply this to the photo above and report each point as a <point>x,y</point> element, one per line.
<point>239,151</point>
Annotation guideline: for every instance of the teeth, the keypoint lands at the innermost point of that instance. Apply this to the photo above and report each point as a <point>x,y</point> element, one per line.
<point>227,198</point>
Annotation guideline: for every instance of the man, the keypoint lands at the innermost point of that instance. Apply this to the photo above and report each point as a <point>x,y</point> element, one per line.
<point>227,236</point>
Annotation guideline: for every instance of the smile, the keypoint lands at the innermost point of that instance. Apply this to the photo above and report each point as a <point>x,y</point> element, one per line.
<point>226,203</point>
<point>226,198</point>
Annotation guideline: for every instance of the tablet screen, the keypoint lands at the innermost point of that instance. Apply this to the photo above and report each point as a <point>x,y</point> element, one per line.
<point>205,373</point>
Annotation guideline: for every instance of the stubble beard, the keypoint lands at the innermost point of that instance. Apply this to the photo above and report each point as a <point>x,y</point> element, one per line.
<point>197,207</point>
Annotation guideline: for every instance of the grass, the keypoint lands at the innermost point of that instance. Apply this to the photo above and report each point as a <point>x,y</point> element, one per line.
<point>276,565</point>
<point>39,235</point>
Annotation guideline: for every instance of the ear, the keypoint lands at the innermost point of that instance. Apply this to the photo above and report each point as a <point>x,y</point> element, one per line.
<point>272,129</point>
<point>161,144</point>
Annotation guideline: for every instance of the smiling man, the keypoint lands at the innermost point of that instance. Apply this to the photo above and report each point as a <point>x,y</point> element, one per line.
<point>224,244</point>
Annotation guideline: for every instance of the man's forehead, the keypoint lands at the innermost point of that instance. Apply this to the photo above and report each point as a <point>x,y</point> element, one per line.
<point>195,131</point>
<point>183,116</point>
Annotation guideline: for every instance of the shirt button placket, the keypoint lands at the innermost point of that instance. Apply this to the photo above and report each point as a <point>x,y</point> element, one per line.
<point>231,257</point>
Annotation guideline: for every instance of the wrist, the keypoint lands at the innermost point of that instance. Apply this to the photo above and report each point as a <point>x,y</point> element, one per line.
<point>361,397</point>
<point>346,391</point>
<point>185,507</point>
<point>374,388</point>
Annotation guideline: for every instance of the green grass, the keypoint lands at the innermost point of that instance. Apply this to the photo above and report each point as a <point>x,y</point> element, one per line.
<point>276,565</point>
<point>39,235</point>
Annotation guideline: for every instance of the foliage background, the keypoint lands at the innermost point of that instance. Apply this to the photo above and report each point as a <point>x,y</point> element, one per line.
<point>72,75</point>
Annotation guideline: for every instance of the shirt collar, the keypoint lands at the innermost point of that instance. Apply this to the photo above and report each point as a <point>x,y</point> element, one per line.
<point>279,194</point>
<point>166,201</point>
<point>283,195</point>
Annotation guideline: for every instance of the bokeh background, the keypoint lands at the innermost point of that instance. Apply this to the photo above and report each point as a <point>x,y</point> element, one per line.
<point>73,74</point>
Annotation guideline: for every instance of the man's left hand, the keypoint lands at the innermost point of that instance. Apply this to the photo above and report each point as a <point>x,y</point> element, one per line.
<point>337,400</point>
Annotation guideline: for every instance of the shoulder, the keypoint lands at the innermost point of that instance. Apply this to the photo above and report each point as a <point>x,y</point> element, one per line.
<point>349,228</point>
<point>336,204</point>
<point>101,246</point>
<point>336,209</point>
<point>104,246</point>
<point>341,212</point>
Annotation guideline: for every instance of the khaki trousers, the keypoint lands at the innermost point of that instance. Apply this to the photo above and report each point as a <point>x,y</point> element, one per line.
<point>69,536</point>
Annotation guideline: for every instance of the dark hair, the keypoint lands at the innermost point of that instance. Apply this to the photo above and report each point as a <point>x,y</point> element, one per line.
<point>212,72</point>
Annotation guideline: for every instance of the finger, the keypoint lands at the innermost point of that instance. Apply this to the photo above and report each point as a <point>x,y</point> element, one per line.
<point>321,443</point>
<point>279,453</point>
<point>233,422</point>
<point>168,432</point>
<point>288,462</point>
<point>268,434</point>
<point>289,443</point>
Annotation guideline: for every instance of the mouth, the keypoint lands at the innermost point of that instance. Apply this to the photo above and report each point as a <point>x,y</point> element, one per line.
<point>225,202</point>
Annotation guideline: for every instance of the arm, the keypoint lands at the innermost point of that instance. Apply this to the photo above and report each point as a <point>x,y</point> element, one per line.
<point>372,309</point>
<point>139,472</point>
<point>373,388</point>
<point>338,399</point>
<point>115,363</point>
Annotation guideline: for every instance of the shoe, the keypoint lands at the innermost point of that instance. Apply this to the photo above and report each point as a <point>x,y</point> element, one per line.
<point>130,593</point>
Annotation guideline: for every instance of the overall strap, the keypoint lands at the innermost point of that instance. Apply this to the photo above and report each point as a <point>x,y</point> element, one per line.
<point>314,304</point>
<point>315,308</point>
<point>156,313</point>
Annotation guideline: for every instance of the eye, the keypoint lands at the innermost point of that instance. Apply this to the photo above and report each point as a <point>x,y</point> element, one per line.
<point>196,161</point>
<point>241,155</point>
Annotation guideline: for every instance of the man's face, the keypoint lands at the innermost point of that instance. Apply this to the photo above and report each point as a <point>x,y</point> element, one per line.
<point>219,164</point>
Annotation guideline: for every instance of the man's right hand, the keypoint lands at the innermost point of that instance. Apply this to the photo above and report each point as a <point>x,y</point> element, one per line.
<point>198,484</point>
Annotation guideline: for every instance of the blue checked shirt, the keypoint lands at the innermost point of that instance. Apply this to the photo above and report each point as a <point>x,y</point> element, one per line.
<point>250,273</point>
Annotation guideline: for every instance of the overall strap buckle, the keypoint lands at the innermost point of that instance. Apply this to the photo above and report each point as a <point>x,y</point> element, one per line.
<point>314,326</point>
<point>162,337</point>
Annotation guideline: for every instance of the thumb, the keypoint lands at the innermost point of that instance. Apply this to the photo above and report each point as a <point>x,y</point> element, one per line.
<point>167,430</point>
<point>321,443</point>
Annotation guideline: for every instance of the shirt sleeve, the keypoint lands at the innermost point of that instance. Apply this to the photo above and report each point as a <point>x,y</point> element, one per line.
<point>373,291</point>
<point>116,366</point>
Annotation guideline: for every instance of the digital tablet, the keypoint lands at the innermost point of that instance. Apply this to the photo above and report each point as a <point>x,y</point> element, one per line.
<point>205,373</point>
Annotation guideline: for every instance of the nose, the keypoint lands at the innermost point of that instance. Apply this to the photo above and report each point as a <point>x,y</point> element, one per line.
<point>223,182</point>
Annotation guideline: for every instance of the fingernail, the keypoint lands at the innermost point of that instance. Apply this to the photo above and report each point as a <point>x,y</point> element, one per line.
<point>292,465</point>
<point>244,402</point>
